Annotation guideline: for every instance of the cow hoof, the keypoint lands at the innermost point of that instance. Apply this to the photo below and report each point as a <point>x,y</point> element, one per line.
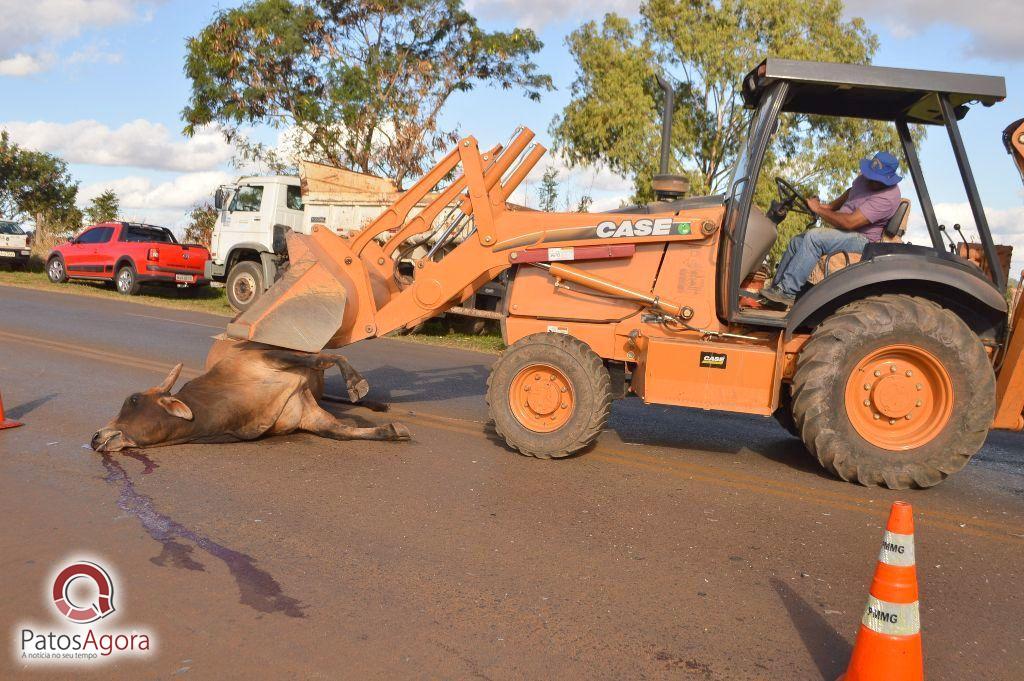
<point>399,432</point>
<point>357,390</point>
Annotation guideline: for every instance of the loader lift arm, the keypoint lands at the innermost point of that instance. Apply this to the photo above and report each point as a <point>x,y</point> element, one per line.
<point>338,291</point>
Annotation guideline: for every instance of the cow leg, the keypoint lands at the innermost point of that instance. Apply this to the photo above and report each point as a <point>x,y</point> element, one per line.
<point>355,384</point>
<point>316,420</point>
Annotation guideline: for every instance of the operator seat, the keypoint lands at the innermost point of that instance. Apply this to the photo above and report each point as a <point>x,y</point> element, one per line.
<point>761,236</point>
<point>891,233</point>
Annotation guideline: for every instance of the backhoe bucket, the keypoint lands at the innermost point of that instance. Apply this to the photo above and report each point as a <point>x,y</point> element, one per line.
<point>316,304</point>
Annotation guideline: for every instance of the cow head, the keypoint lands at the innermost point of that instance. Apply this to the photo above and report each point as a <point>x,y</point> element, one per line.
<point>148,418</point>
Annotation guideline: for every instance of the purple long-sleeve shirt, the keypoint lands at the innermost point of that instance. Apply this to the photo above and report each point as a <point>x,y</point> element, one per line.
<point>876,206</point>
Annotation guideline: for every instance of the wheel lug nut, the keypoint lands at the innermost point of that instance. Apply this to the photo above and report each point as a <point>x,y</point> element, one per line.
<point>909,373</point>
<point>551,378</point>
<point>867,403</point>
<point>877,373</point>
<point>526,388</point>
<point>877,416</point>
<point>867,386</point>
<point>919,386</point>
<point>564,405</point>
<point>892,421</point>
<point>907,417</point>
<point>918,403</point>
<point>536,377</point>
<point>892,368</point>
<point>563,390</point>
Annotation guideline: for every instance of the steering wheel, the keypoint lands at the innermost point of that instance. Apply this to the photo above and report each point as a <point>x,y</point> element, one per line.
<point>792,198</point>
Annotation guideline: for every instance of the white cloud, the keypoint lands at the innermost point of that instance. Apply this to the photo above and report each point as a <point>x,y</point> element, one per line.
<point>22,64</point>
<point>606,188</point>
<point>140,144</point>
<point>32,29</point>
<point>162,203</point>
<point>93,54</point>
<point>993,26</point>
<point>539,13</point>
<point>1007,225</point>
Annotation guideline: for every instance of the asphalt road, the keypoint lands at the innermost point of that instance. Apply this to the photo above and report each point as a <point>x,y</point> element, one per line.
<point>686,544</point>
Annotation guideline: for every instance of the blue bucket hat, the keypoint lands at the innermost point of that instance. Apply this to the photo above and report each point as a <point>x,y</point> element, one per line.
<point>882,168</point>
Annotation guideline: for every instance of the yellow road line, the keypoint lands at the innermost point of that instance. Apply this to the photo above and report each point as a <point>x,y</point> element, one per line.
<point>630,458</point>
<point>92,353</point>
<point>175,321</point>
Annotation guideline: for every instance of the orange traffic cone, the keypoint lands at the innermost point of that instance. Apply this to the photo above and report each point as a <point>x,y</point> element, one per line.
<point>889,641</point>
<point>4,421</point>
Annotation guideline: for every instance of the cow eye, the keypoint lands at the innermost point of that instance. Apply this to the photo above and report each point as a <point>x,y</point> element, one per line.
<point>133,400</point>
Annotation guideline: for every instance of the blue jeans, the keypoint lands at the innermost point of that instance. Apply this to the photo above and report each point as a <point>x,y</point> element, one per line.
<point>806,249</point>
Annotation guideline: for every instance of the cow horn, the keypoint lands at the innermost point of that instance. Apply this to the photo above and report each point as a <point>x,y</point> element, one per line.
<point>172,377</point>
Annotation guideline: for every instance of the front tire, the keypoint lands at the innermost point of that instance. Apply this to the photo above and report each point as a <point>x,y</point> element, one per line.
<point>549,395</point>
<point>893,390</point>
<point>244,285</point>
<point>127,282</point>
<point>55,270</point>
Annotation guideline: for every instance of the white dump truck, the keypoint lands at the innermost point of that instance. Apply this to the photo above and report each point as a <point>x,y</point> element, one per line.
<point>254,214</point>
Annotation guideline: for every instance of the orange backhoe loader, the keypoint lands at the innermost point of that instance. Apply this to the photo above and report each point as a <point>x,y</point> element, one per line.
<point>892,369</point>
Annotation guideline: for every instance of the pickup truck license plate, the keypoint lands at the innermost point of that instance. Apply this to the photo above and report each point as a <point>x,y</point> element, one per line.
<point>184,278</point>
<point>7,254</point>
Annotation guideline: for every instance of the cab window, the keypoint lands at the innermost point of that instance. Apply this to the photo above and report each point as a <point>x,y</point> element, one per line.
<point>248,199</point>
<point>11,228</point>
<point>96,235</point>
<point>293,199</point>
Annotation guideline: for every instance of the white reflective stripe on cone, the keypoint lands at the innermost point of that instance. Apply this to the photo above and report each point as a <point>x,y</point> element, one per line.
<point>894,619</point>
<point>897,549</point>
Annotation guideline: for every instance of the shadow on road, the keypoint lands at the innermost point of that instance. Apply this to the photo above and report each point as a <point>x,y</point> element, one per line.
<point>27,407</point>
<point>395,385</point>
<point>827,648</point>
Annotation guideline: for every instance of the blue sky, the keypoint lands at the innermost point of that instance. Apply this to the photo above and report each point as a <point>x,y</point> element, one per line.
<point>100,82</point>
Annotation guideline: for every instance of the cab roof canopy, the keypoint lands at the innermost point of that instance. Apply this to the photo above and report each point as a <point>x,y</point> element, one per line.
<point>876,92</point>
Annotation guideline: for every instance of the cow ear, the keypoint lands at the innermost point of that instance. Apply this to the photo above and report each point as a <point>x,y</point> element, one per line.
<point>175,407</point>
<point>168,383</point>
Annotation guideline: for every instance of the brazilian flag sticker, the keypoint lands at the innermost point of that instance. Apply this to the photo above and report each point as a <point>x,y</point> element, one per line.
<point>682,227</point>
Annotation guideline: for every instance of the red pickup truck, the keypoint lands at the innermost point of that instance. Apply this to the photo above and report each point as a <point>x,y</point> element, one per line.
<point>129,254</point>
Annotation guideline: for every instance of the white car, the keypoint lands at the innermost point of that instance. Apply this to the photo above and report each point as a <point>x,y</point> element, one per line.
<point>14,243</point>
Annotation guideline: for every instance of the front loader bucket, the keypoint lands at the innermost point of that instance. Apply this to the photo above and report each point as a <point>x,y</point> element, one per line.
<point>323,299</point>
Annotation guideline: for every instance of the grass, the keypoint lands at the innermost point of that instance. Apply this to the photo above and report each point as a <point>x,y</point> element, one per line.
<point>214,301</point>
<point>207,299</point>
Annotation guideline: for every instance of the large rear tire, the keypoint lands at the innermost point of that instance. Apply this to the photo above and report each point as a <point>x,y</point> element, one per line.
<point>549,395</point>
<point>893,390</point>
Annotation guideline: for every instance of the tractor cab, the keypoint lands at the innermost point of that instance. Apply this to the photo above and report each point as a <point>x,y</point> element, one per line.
<point>969,278</point>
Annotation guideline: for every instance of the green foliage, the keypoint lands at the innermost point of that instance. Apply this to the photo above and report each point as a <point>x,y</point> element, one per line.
<point>708,46</point>
<point>362,83</point>
<point>583,206</point>
<point>201,220</point>
<point>547,193</point>
<point>37,185</point>
<point>103,208</point>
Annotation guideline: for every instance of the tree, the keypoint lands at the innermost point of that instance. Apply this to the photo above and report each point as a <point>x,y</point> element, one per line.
<point>200,226</point>
<point>38,186</point>
<point>103,208</point>
<point>362,83</point>
<point>708,46</point>
<point>547,193</point>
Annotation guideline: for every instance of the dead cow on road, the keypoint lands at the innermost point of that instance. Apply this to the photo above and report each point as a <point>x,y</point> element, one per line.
<point>256,390</point>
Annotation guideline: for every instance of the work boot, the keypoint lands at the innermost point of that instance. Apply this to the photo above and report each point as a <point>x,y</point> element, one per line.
<point>777,296</point>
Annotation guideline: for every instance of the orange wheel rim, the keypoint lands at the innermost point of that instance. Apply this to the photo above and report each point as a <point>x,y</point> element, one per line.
<point>899,397</point>
<point>541,398</point>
